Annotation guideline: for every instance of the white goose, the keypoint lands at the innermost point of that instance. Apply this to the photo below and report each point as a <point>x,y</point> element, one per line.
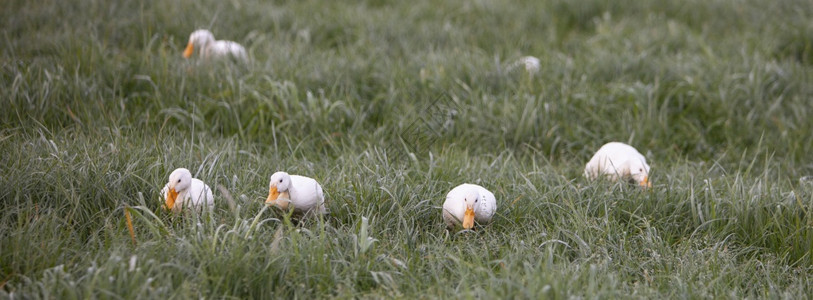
<point>304,193</point>
<point>182,191</point>
<point>467,203</point>
<point>618,161</point>
<point>212,49</point>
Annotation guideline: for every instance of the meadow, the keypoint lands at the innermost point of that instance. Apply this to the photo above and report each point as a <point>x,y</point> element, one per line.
<point>390,104</point>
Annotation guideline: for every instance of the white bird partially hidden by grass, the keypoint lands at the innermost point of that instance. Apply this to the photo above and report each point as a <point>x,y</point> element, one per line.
<point>183,192</point>
<point>303,193</point>
<point>618,161</point>
<point>209,48</point>
<point>467,203</point>
<point>530,63</point>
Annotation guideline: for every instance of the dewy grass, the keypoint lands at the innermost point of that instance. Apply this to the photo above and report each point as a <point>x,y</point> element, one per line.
<point>99,107</point>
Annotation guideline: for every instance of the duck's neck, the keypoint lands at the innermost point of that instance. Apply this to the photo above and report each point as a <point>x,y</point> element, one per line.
<point>290,191</point>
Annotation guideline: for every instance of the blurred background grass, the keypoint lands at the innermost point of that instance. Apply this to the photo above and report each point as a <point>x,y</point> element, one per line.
<point>100,107</point>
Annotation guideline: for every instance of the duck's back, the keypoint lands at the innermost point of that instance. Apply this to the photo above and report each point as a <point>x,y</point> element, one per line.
<point>199,194</point>
<point>306,193</point>
<point>609,158</point>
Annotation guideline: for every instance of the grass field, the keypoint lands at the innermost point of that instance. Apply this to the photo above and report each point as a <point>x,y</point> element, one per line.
<point>390,104</point>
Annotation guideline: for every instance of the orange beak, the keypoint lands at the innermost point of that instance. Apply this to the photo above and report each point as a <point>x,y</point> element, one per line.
<point>190,48</point>
<point>468,218</point>
<point>171,196</point>
<point>645,183</point>
<point>273,194</point>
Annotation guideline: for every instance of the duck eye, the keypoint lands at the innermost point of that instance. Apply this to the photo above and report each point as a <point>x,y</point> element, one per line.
<point>280,180</point>
<point>179,180</point>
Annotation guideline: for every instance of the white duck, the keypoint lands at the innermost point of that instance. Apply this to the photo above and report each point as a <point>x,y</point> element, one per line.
<point>304,193</point>
<point>182,191</point>
<point>531,64</point>
<point>467,203</point>
<point>212,49</point>
<point>618,161</point>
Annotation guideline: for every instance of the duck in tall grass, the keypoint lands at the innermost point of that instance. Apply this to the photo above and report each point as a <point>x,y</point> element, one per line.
<point>184,192</point>
<point>529,63</point>
<point>617,161</point>
<point>468,203</point>
<point>209,48</point>
<point>303,193</point>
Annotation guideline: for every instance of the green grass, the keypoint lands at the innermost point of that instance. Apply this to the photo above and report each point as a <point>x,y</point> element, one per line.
<point>99,107</point>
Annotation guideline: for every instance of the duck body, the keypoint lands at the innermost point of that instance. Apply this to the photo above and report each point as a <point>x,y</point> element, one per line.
<point>531,64</point>
<point>303,193</point>
<point>213,49</point>
<point>183,192</point>
<point>467,203</point>
<point>616,161</point>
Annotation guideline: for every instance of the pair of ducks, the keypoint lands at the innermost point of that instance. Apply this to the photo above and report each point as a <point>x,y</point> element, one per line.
<point>305,194</point>
<point>217,49</point>
<point>467,203</point>
<point>464,204</point>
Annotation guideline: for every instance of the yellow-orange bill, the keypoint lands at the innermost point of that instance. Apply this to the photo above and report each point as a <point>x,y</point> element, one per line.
<point>645,183</point>
<point>190,48</point>
<point>171,196</point>
<point>273,194</point>
<point>468,219</point>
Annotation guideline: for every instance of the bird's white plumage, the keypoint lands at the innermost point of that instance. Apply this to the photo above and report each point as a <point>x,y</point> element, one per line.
<point>530,63</point>
<point>618,161</point>
<point>214,49</point>
<point>457,199</point>
<point>304,193</point>
<point>191,192</point>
